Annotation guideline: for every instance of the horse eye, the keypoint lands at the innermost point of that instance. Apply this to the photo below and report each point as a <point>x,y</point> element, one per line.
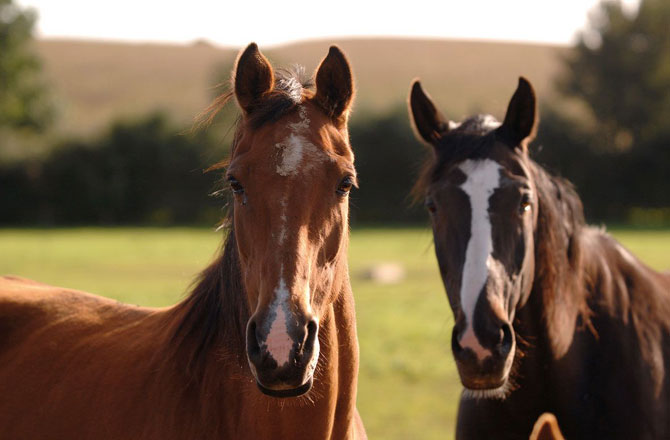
<point>235,185</point>
<point>345,186</point>
<point>525,204</point>
<point>430,205</point>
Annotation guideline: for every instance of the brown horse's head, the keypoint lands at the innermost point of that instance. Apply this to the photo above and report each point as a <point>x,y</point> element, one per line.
<point>290,172</point>
<point>482,201</point>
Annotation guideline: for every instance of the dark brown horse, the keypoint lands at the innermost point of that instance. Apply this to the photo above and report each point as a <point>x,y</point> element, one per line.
<point>271,317</point>
<point>551,315</point>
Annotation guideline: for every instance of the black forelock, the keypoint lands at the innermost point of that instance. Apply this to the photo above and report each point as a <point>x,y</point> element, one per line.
<point>474,138</point>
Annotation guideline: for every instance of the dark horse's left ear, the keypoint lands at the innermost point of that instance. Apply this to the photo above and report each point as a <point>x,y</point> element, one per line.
<point>334,85</point>
<point>520,123</point>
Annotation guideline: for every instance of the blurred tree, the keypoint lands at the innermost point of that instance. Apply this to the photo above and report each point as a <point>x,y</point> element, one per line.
<point>621,69</point>
<point>388,160</point>
<point>23,102</point>
<point>139,172</point>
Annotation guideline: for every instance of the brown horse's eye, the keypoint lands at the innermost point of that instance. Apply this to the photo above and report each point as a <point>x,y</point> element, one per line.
<point>430,205</point>
<point>345,186</point>
<point>525,204</point>
<point>235,186</point>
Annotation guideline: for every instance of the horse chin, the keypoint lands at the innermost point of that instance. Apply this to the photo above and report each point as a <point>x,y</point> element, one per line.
<point>499,392</point>
<point>286,392</point>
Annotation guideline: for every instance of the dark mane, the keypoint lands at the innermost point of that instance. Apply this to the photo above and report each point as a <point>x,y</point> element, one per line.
<point>291,85</point>
<point>215,310</point>
<point>559,253</point>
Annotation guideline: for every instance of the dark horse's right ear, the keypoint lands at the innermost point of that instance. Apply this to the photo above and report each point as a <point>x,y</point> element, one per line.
<point>254,78</point>
<point>520,122</point>
<point>429,123</point>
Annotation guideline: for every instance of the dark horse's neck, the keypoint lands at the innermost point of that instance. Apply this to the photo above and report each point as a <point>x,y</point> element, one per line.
<point>582,274</point>
<point>559,281</point>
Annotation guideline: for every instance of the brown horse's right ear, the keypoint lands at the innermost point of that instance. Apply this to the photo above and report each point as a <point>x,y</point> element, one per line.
<point>429,124</point>
<point>546,428</point>
<point>521,118</point>
<point>253,78</point>
<point>334,85</point>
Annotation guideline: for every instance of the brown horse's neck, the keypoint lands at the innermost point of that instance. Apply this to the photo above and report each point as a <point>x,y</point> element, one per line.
<point>207,343</point>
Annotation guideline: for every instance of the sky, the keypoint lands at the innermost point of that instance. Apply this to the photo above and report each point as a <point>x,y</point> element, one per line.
<point>237,22</point>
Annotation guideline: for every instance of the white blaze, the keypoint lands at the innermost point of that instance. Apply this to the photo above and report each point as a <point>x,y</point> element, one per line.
<point>294,146</point>
<point>278,342</point>
<point>483,177</point>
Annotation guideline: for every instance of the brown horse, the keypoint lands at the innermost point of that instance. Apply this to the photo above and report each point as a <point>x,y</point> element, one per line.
<point>550,315</point>
<point>271,317</point>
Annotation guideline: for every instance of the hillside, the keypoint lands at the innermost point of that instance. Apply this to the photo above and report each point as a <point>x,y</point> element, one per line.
<point>97,81</point>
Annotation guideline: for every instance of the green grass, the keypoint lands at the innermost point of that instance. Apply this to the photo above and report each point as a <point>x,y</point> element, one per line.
<point>408,385</point>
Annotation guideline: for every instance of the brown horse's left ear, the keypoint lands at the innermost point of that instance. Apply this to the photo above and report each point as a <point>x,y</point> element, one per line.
<point>520,122</point>
<point>334,85</point>
<point>253,78</point>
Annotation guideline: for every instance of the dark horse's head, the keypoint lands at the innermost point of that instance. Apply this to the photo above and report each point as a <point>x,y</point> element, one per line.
<point>482,201</point>
<point>290,173</point>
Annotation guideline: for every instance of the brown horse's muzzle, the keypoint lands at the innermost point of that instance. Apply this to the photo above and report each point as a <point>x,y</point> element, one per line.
<point>283,364</point>
<point>488,369</point>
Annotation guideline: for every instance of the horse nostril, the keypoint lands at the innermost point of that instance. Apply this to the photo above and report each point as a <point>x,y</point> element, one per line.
<point>312,330</point>
<point>455,344</point>
<point>306,346</point>
<point>253,348</point>
<point>506,339</point>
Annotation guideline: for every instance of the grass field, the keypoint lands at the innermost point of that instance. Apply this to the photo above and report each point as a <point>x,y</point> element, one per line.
<point>408,385</point>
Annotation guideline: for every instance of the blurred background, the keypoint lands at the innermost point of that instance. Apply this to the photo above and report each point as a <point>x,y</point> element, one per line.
<point>101,182</point>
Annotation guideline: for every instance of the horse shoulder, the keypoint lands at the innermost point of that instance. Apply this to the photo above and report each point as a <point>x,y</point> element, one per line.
<point>28,306</point>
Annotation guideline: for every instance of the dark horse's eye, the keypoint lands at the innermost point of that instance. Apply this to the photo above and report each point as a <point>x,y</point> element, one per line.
<point>235,185</point>
<point>345,186</point>
<point>525,204</point>
<point>430,205</point>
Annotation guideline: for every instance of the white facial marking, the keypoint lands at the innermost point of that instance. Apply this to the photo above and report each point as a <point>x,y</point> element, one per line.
<point>278,342</point>
<point>454,125</point>
<point>295,147</point>
<point>282,220</point>
<point>483,177</point>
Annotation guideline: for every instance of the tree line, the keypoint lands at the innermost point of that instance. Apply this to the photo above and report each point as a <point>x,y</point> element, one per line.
<point>612,140</point>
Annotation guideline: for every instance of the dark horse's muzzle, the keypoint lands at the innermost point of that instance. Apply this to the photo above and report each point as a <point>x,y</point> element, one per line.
<point>290,374</point>
<point>489,370</point>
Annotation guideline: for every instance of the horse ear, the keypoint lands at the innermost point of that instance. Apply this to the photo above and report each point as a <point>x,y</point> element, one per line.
<point>546,428</point>
<point>521,118</point>
<point>253,78</point>
<point>334,85</point>
<point>429,124</point>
